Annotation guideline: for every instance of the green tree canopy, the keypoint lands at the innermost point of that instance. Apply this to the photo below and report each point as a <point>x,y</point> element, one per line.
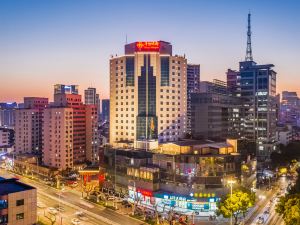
<point>236,205</point>
<point>289,207</point>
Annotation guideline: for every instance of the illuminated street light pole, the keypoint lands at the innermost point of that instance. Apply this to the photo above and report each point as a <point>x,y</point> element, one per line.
<point>231,182</point>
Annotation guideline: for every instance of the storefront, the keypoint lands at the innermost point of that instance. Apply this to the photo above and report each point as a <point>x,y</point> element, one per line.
<point>204,202</point>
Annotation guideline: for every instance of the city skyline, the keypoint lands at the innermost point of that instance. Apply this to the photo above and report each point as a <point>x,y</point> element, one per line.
<point>65,42</point>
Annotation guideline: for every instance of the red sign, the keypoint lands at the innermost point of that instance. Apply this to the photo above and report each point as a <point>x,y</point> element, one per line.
<point>147,46</point>
<point>145,192</point>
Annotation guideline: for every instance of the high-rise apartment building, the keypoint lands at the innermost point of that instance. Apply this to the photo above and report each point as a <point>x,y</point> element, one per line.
<point>79,123</point>
<point>29,124</point>
<point>193,86</point>
<point>58,138</point>
<point>7,114</point>
<point>105,110</point>
<point>148,88</point>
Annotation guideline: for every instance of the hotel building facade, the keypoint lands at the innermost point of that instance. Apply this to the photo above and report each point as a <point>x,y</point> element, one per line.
<point>148,95</point>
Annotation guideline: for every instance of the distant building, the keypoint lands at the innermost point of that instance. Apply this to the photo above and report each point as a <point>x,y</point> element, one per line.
<point>65,89</point>
<point>284,135</point>
<point>6,140</point>
<point>17,203</point>
<point>289,109</point>
<point>105,110</point>
<point>92,98</point>
<point>215,116</point>
<point>193,86</point>
<point>234,82</point>
<point>7,114</point>
<point>29,124</point>
<point>92,134</point>
<point>217,87</point>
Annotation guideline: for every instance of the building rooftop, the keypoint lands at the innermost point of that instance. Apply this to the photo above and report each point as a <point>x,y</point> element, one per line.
<point>12,185</point>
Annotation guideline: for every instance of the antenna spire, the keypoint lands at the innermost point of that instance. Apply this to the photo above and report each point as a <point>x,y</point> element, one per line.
<point>249,56</point>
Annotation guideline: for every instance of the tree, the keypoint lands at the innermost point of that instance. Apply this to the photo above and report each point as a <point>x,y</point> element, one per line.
<point>289,208</point>
<point>236,205</point>
<point>50,217</point>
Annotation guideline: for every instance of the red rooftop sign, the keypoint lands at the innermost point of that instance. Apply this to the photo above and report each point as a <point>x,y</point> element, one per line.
<point>147,46</point>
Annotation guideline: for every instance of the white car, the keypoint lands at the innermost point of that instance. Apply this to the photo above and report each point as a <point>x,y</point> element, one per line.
<point>75,221</point>
<point>79,213</point>
<point>110,198</point>
<point>40,205</point>
<point>52,210</point>
<point>260,220</point>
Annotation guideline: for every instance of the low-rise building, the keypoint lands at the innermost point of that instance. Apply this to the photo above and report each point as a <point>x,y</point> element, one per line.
<point>18,203</point>
<point>187,175</point>
<point>284,135</point>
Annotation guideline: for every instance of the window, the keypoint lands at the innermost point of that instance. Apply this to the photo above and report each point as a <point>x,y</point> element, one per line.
<point>20,202</point>
<point>3,204</point>
<point>20,216</point>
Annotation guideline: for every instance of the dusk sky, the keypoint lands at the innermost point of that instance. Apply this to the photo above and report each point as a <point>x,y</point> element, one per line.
<point>47,42</point>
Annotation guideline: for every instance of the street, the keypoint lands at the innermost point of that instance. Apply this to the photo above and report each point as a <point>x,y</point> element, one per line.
<point>93,214</point>
<point>265,208</point>
<point>72,202</point>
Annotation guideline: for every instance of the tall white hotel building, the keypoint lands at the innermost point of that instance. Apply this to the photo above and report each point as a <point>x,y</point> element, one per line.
<point>147,95</point>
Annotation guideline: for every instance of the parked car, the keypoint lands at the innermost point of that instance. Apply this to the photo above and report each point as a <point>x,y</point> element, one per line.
<point>60,209</point>
<point>75,221</point>
<point>52,210</point>
<point>40,205</point>
<point>260,220</point>
<point>110,198</point>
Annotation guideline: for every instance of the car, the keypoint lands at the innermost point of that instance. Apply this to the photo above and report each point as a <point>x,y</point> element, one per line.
<point>83,218</point>
<point>60,209</point>
<point>110,198</point>
<point>40,205</point>
<point>75,221</point>
<point>260,220</point>
<point>52,210</point>
<point>79,213</point>
<point>124,202</point>
<point>128,205</point>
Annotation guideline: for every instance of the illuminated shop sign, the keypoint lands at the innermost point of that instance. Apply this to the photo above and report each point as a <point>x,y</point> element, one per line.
<point>147,46</point>
<point>203,195</point>
<point>145,192</point>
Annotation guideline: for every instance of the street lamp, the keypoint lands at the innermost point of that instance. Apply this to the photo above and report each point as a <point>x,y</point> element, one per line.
<point>231,182</point>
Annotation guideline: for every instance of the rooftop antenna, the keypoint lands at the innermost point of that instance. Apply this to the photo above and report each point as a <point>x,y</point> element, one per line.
<point>249,56</point>
<point>126,39</point>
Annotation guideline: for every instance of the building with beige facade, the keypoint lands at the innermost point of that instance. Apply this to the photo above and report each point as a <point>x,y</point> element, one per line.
<point>18,203</point>
<point>148,89</point>
<point>58,138</point>
<point>28,125</point>
<point>27,130</point>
